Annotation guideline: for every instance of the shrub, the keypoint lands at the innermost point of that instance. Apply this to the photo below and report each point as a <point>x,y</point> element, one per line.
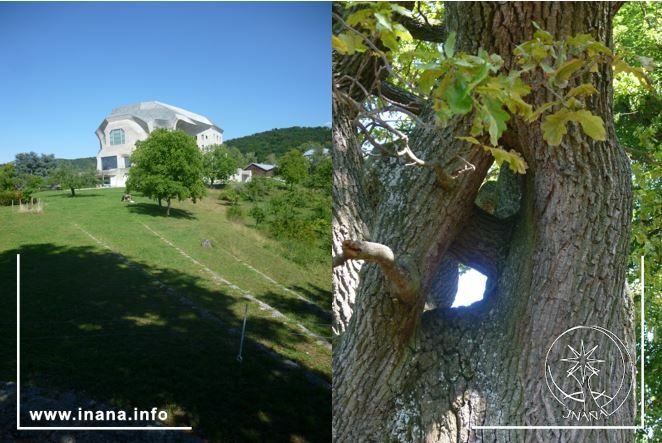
<point>257,188</point>
<point>231,196</point>
<point>258,214</point>
<point>6,197</point>
<point>235,213</point>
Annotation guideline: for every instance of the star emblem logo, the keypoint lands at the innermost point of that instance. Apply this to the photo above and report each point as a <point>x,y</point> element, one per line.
<point>582,363</point>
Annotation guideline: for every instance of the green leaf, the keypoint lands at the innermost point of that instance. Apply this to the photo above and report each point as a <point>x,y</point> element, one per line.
<point>427,79</point>
<point>458,98</point>
<point>543,35</point>
<point>538,51</point>
<point>594,48</point>
<point>477,125</point>
<point>553,127</point>
<point>400,10</point>
<point>470,140</point>
<point>585,89</point>
<point>564,71</point>
<point>579,39</point>
<point>592,125</point>
<point>383,22</point>
<point>515,161</point>
<point>359,17</point>
<point>449,46</point>
<point>402,33</point>
<point>495,117</point>
<point>389,40</point>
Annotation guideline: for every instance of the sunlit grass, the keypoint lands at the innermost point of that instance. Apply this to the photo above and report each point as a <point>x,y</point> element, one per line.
<point>92,322</point>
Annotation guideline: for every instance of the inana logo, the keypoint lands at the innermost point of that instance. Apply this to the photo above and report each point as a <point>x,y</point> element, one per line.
<point>589,371</point>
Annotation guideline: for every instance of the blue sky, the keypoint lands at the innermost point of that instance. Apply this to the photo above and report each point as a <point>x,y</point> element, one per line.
<point>249,67</point>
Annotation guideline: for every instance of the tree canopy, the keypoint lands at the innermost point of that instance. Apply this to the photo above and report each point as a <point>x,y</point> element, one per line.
<point>293,167</point>
<point>221,161</point>
<point>72,178</point>
<point>638,123</point>
<point>31,163</point>
<point>167,165</point>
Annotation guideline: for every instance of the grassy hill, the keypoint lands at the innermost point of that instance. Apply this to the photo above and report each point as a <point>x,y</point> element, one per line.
<point>84,163</point>
<point>280,141</point>
<point>134,309</point>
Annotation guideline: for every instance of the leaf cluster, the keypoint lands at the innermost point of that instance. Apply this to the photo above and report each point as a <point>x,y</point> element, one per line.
<point>478,86</point>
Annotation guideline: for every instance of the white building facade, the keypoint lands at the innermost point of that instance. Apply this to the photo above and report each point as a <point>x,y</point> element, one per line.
<point>119,132</point>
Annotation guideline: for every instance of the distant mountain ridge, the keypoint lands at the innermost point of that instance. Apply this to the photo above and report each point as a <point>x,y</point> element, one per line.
<point>280,141</point>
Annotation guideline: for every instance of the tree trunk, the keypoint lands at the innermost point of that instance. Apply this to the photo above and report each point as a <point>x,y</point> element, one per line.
<point>168,209</point>
<point>160,205</point>
<point>404,374</point>
<point>73,192</point>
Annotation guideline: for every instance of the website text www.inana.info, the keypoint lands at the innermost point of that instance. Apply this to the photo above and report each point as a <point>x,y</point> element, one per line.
<point>100,416</point>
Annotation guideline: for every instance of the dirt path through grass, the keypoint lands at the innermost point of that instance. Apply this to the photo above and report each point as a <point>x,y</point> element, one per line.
<point>264,306</point>
<point>205,313</point>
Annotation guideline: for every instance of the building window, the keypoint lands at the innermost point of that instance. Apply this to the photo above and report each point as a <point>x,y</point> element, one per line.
<point>127,162</point>
<point>109,162</point>
<point>117,137</point>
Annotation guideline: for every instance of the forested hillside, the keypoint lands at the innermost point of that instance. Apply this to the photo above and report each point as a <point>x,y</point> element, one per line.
<point>78,163</point>
<point>280,141</point>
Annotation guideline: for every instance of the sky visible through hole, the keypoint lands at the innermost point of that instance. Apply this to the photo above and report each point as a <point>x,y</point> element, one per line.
<point>470,288</point>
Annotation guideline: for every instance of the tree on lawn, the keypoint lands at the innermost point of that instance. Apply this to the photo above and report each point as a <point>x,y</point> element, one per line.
<point>71,178</point>
<point>293,167</point>
<point>221,161</point>
<point>167,165</point>
<point>525,85</point>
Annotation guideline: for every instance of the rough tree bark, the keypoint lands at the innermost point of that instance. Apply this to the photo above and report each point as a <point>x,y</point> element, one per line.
<point>403,373</point>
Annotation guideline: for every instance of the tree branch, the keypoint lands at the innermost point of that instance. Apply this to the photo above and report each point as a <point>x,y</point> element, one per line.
<point>483,243</point>
<point>403,280</point>
<point>402,98</point>
<point>615,7</point>
<point>435,33</point>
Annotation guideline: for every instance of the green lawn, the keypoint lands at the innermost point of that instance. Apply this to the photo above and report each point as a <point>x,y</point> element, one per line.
<point>94,320</point>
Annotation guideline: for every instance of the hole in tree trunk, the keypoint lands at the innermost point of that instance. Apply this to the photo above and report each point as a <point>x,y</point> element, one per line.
<point>470,287</point>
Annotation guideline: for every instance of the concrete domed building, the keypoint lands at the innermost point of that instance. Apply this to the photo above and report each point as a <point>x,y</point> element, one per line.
<point>119,132</point>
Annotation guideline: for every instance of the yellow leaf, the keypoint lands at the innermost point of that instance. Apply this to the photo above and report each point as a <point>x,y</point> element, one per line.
<point>339,45</point>
<point>515,161</point>
<point>585,89</point>
<point>538,112</point>
<point>564,71</point>
<point>348,43</point>
<point>469,139</point>
<point>639,73</point>
<point>359,17</point>
<point>592,125</point>
<point>553,127</point>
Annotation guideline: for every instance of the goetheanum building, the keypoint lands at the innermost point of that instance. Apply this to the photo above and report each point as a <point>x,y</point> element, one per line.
<point>119,132</point>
